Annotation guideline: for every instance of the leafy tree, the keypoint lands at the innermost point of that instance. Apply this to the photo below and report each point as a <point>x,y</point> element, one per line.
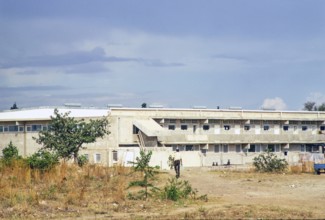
<point>310,106</point>
<point>14,106</point>
<point>10,153</point>
<point>321,107</point>
<point>144,105</point>
<point>142,165</point>
<point>66,135</point>
<point>269,162</point>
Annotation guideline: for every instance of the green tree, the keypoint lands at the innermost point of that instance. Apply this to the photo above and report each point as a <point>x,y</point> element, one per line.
<point>66,135</point>
<point>310,106</point>
<point>321,107</point>
<point>142,165</point>
<point>144,105</point>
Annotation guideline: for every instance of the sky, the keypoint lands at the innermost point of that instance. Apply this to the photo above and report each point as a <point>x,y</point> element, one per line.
<point>251,54</point>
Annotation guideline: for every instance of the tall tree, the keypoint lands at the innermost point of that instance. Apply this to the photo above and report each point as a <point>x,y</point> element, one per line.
<point>310,106</point>
<point>14,106</point>
<point>67,135</point>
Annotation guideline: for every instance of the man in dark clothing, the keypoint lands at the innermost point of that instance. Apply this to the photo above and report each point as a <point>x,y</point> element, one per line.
<point>177,162</point>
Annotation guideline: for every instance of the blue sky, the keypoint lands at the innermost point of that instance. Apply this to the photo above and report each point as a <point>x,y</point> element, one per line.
<point>183,53</point>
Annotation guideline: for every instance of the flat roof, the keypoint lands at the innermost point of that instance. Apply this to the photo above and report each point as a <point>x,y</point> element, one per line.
<point>45,113</point>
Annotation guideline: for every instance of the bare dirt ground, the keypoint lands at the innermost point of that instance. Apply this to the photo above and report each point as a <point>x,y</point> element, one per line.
<point>243,194</point>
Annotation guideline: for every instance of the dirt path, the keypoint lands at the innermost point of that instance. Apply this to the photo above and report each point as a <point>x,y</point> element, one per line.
<point>296,192</point>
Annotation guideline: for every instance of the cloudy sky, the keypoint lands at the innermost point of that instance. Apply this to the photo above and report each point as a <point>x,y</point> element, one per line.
<point>176,53</point>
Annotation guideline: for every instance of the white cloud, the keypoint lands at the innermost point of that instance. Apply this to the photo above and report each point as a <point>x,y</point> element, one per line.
<point>275,103</point>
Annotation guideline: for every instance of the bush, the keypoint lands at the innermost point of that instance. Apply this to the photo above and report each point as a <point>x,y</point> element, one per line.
<point>10,153</point>
<point>82,160</point>
<point>269,162</point>
<point>43,160</point>
<point>177,189</point>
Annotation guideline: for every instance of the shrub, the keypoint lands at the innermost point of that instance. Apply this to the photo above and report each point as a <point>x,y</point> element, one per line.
<point>10,153</point>
<point>43,160</point>
<point>269,162</point>
<point>177,189</point>
<point>82,160</point>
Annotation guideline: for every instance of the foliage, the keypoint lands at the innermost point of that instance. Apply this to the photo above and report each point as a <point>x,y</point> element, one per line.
<point>142,165</point>
<point>10,153</point>
<point>66,135</point>
<point>170,162</point>
<point>14,106</point>
<point>311,106</point>
<point>43,160</point>
<point>82,160</point>
<point>269,162</point>
<point>177,189</point>
<point>144,105</point>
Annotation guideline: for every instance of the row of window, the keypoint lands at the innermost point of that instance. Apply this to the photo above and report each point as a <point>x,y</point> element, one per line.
<point>19,128</point>
<point>246,127</point>
<point>240,122</point>
<point>225,148</point>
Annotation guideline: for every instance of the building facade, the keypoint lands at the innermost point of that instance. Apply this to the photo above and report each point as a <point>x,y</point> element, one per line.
<point>205,137</point>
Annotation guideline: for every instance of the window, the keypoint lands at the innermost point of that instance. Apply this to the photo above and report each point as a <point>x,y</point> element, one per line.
<point>206,127</point>
<point>1,128</point>
<point>304,128</point>
<point>302,148</point>
<point>266,127</point>
<point>226,127</point>
<point>322,128</point>
<point>5,129</point>
<point>183,127</point>
<point>171,127</point>
<point>189,148</point>
<point>271,147</point>
<point>29,128</point>
<point>216,148</point>
<point>247,127</point>
<point>13,128</point>
<point>285,127</point>
<point>21,128</point>
<point>251,148</point>
<point>97,158</point>
<point>115,156</point>
<point>36,127</point>
<point>225,148</point>
<point>238,148</point>
<point>45,128</point>
<point>170,121</point>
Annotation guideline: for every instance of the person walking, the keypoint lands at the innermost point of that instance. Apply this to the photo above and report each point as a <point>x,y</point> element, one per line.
<point>177,162</point>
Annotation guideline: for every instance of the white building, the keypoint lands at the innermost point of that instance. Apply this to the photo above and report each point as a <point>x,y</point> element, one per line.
<point>204,136</point>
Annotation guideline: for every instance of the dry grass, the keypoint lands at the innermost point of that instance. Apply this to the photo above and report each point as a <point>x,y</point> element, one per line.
<point>94,191</point>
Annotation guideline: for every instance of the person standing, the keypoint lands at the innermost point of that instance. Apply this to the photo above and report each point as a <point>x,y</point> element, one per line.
<point>177,162</point>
